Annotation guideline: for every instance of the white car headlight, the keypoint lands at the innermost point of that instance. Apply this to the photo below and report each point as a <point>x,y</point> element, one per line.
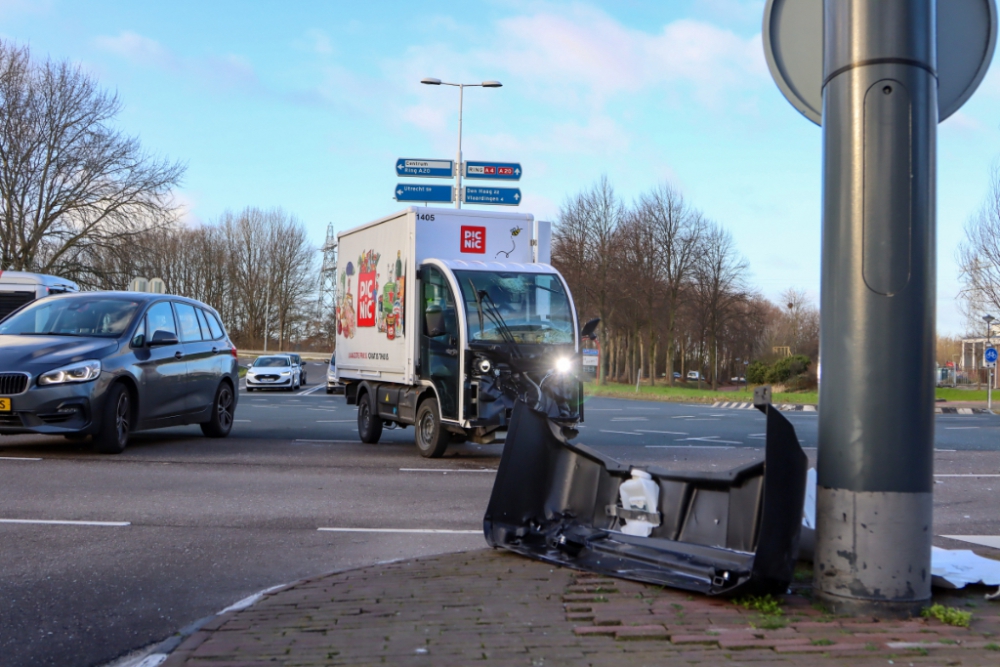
<point>563,365</point>
<point>286,372</point>
<point>82,371</point>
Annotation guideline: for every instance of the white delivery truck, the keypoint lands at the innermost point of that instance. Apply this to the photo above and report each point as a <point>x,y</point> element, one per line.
<point>445,317</point>
<point>18,288</point>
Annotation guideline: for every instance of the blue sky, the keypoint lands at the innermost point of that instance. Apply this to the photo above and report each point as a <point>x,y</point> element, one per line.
<point>307,105</point>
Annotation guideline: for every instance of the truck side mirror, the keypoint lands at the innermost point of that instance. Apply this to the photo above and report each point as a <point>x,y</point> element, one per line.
<point>589,328</point>
<point>434,323</point>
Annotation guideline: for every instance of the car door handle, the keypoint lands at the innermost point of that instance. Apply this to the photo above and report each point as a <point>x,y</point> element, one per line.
<point>178,354</point>
<point>215,350</point>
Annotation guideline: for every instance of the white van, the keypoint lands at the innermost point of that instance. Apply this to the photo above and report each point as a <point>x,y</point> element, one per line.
<point>18,288</point>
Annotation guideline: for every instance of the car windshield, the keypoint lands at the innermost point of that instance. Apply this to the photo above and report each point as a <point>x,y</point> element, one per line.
<point>98,316</point>
<point>272,362</point>
<point>534,306</point>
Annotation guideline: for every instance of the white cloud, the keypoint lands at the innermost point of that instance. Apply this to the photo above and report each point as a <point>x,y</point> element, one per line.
<point>137,48</point>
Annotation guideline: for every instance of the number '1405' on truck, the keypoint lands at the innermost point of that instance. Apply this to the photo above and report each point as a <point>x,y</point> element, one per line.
<point>445,317</point>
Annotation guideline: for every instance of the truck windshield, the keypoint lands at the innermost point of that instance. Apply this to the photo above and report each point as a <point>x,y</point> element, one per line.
<point>534,306</point>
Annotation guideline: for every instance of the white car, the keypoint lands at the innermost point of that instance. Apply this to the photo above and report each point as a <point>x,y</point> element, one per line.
<point>273,372</point>
<point>693,375</point>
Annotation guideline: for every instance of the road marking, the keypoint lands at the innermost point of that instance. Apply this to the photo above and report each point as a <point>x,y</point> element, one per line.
<point>241,420</point>
<point>336,421</point>
<point>431,531</point>
<point>447,470</point>
<point>603,409</point>
<point>310,391</point>
<point>686,447</point>
<point>959,428</point>
<point>621,432</point>
<point>944,450</point>
<point>683,417</point>
<point>662,432</point>
<point>629,419</point>
<point>249,600</point>
<point>17,458</point>
<point>982,540</point>
<point>970,475</point>
<point>67,523</point>
<point>309,440</point>
<point>757,435</point>
<point>713,438</point>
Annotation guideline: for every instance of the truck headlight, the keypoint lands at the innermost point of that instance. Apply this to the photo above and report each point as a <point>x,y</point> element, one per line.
<point>563,365</point>
<point>82,371</point>
<point>483,365</point>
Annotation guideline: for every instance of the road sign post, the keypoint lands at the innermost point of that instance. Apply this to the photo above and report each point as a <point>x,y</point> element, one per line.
<point>990,357</point>
<point>418,168</point>
<point>499,171</point>
<point>409,192</point>
<point>878,75</point>
<point>485,195</point>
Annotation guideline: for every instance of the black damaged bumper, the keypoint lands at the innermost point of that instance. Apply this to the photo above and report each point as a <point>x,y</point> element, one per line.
<point>718,533</point>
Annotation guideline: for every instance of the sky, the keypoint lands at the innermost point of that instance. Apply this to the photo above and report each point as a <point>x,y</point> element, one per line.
<point>307,106</point>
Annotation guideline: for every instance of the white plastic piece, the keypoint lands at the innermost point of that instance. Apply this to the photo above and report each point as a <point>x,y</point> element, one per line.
<point>809,506</point>
<point>643,494</point>
<point>954,568</point>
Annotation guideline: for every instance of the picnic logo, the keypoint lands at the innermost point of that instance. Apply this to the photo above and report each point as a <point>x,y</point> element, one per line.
<point>473,239</point>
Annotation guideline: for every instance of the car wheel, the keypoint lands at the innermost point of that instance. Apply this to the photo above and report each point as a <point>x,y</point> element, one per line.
<point>223,411</point>
<point>116,421</point>
<point>369,424</point>
<point>431,439</point>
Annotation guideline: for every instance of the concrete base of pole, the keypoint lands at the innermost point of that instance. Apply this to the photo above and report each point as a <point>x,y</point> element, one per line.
<point>873,561</point>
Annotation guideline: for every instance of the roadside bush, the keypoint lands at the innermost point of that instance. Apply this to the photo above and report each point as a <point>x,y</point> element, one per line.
<point>757,373</point>
<point>785,370</point>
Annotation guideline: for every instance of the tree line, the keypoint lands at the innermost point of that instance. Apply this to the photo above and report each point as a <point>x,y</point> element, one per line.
<point>671,289</point>
<point>81,199</point>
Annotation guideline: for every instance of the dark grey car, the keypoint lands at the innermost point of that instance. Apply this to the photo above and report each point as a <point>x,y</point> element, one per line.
<point>107,364</point>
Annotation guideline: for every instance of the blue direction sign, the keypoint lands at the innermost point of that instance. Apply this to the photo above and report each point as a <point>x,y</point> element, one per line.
<point>425,168</point>
<point>428,193</point>
<point>991,355</point>
<point>498,196</point>
<point>502,171</point>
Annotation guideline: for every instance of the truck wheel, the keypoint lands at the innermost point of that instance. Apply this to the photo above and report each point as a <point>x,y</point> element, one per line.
<point>369,424</point>
<point>431,439</point>
<point>116,418</point>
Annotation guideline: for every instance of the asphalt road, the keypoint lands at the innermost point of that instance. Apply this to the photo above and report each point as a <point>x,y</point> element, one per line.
<point>212,521</point>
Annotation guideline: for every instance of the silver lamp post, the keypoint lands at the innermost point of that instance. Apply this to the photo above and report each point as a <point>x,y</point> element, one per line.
<point>430,81</point>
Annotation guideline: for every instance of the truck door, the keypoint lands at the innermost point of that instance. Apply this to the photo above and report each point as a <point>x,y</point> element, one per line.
<point>439,340</point>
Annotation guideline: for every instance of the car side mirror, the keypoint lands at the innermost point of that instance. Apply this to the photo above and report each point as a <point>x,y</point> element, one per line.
<point>161,337</point>
<point>589,328</point>
<point>139,340</point>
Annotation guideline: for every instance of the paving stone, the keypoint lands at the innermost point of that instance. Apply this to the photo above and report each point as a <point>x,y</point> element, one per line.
<point>642,632</point>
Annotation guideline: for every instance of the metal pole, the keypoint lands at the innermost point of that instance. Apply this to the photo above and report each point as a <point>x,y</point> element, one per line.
<point>989,369</point>
<point>458,160</point>
<point>874,496</point>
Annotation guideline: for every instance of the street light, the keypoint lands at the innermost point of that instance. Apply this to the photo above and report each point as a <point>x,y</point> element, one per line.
<point>431,81</point>
<point>989,371</point>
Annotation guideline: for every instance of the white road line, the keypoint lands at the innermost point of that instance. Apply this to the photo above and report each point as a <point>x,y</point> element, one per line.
<point>431,531</point>
<point>310,391</point>
<point>309,440</point>
<point>712,438</point>
<point>686,447</point>
<point>446,470</point>
<point>629,419</point>
<point>661,432</point>
<point>621,432</point>
<point>603,409</point>
<point>970,475</point>
<point>67,523</point>
<point>683,417</point>
<point>944,450</point>
<point>242,420</point>
<point>17,458</point>
<point>959,428</point>
<point>336,421</point>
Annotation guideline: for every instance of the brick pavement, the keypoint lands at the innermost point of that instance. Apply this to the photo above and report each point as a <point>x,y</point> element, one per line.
<point>495,607</point>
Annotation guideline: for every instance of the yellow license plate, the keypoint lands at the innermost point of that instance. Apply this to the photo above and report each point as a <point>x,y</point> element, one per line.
<point>4,405</point>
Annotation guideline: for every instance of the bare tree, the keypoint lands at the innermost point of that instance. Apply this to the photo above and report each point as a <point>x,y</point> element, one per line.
<point>979,259</point>
<point>719,287</point>
<point>70,183</point>
<point>591,220</point>
<point>678,232</point>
